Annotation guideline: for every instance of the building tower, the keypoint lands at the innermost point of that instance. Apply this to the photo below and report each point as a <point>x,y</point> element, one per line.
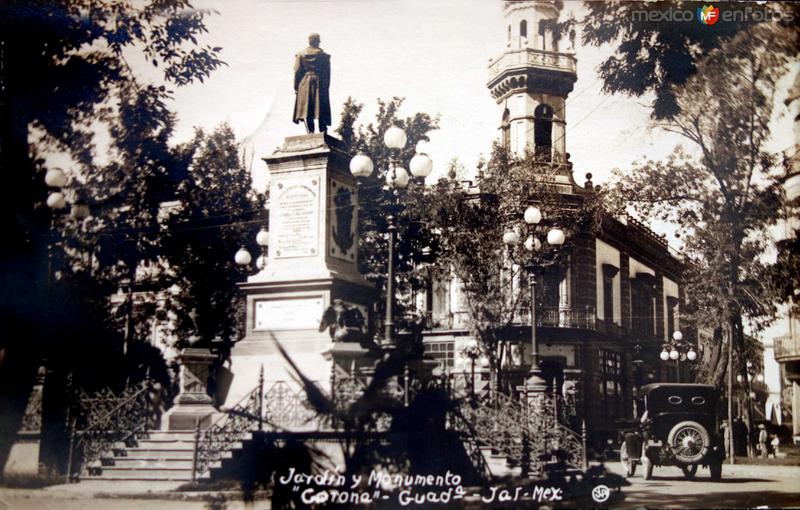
<point>531,80</point>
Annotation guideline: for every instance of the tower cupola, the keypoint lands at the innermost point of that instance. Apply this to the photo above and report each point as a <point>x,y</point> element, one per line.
<point>531,80</point>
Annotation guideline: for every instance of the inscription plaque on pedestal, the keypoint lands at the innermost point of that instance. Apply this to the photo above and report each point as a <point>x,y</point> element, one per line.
<point>282,314</point>
<point>296,217</point>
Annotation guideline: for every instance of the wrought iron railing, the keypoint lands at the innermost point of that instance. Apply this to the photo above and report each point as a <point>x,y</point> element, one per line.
<point>230,430</point>
<point>485,419</point>
<point>561,317</point>
<point>561,442</point>
<point>527,439</point>
<point>438,320</point>
<point>471,444</point>
<point>101,420</point>
<point>288,407</point>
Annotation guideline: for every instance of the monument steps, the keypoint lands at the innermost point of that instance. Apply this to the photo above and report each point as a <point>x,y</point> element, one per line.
<point>160,455</point>
<point>498,463</point>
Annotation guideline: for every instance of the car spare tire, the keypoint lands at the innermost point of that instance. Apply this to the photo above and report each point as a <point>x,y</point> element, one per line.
<point>689,441</point>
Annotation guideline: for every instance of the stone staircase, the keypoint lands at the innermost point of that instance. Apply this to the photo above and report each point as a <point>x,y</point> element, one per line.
<point>499,464</point>
<point>163,456</point>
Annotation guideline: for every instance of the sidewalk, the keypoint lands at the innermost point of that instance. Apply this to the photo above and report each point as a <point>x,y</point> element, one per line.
<point>103,489</point>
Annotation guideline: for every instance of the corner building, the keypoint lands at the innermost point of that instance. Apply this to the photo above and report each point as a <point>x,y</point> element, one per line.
<point>605,314</point>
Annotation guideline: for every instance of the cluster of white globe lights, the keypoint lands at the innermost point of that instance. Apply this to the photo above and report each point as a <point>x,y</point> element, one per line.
<point>56,178</point>
<point>673,353</point>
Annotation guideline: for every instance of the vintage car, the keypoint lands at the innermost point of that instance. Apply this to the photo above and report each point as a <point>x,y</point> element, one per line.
<point>677,428</point>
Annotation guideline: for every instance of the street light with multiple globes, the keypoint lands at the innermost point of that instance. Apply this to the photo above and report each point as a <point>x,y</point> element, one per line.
<point>243,257</point>
<point>534,262</point>
<point>678,350</point>
<point>397,179</point>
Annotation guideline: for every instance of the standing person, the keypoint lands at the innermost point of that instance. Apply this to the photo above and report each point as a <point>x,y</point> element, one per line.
<point>312,77</point>
<point>726,434</point>
<point>762,440</point>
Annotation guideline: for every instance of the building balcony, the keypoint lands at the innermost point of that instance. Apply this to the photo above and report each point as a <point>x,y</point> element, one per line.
<point>548,317</point>
<point>528,69</point>
<point>787,348</point>
<point>528,57</point>
<point>557,317</point>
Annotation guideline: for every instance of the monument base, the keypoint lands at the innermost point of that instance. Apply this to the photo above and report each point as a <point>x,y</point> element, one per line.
<point>189,416</point>
<point>350,358</point>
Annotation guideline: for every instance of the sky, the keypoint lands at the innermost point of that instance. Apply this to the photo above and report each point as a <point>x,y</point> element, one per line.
<point>433,53</point>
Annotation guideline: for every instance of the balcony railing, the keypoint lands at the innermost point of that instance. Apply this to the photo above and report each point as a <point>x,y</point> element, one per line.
<point>556,317</point>
<point>787,348</point>
<point>530,57</point>
<point>552,317</point>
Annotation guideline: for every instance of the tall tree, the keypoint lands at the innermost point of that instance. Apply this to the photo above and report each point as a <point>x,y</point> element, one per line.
<point>659,44</point>
<point>217,212</point>
<point>723,194</point>
<point>376,200</point>
<point>64,72</point>
<point>470,222</point>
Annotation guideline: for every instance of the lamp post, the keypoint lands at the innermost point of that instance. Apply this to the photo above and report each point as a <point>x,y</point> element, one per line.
<point>677,350</point>
<point>397,179</point>
<point>534,261</point>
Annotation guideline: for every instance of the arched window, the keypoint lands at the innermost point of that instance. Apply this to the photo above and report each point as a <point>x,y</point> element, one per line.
<point>523,28</point>
<point>509,33</point>
<point>505,127</point>
<point>543,131</point>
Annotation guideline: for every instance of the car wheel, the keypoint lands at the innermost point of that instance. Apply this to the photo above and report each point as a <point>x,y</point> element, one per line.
<point>627,461</point>
<point>689,441</point>
<point>689,471</point>
<point>647,465</point>
<point>716,470</point>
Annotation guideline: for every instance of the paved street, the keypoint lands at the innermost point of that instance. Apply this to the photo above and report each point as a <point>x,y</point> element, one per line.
<point>742,486</point>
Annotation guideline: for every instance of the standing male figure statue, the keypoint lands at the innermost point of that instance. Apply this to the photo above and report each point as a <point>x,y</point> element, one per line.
<point>312,77</point>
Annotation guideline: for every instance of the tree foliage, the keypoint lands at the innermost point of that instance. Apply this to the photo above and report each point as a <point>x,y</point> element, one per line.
<point>67,89</point>
<point>377,201</point>
<point>655,53</point>
<point>723,194</point>
<point>218,212</point>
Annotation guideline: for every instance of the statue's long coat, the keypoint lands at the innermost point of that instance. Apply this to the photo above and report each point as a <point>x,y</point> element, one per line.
<point>312,77</point>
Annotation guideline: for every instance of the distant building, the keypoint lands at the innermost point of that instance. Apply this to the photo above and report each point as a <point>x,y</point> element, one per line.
<point>787,354</point>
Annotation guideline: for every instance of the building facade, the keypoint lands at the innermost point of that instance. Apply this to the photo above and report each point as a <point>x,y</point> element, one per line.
<point>787,354</point>
<point>604,316</point>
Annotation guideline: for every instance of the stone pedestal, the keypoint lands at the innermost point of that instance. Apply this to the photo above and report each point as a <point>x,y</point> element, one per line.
<point>193,405</point>
<point>349,359</point>
<point>312,260</point>
<point>533,393</point>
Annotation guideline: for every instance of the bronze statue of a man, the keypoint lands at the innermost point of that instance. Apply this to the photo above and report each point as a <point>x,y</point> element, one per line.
<point>312,77</point>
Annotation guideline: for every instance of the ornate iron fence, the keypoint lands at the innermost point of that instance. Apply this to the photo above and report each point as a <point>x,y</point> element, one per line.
<point>230,430</point>
<point>288,408</point>
<point>489,419</point>
<point>101,420</point>
<point>528,439</point>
